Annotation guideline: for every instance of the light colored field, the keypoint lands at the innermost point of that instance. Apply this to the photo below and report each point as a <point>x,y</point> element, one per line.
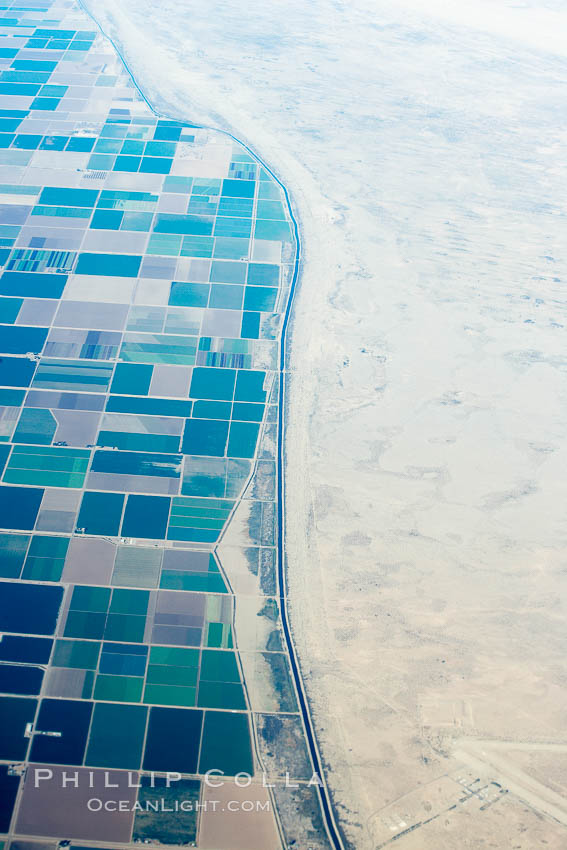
<point>236,818</point>
<point>427,422</point>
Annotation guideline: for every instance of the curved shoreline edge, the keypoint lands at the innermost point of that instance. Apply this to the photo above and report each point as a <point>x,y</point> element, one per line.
<point>325,799</point>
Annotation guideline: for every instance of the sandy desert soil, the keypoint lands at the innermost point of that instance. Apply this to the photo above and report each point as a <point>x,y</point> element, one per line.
<point>426,437</point>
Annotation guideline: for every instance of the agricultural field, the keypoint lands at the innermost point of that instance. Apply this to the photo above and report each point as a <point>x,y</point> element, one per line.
<point>145,268</point>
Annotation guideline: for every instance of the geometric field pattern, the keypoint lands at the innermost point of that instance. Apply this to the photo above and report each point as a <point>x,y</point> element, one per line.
<point>145,266</point>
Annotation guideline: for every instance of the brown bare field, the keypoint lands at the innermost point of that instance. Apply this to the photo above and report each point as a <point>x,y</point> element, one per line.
<point>46,810</point>
<point>239,829</point>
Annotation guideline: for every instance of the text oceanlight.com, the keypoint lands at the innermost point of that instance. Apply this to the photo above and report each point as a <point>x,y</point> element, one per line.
<point>95,804</point>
